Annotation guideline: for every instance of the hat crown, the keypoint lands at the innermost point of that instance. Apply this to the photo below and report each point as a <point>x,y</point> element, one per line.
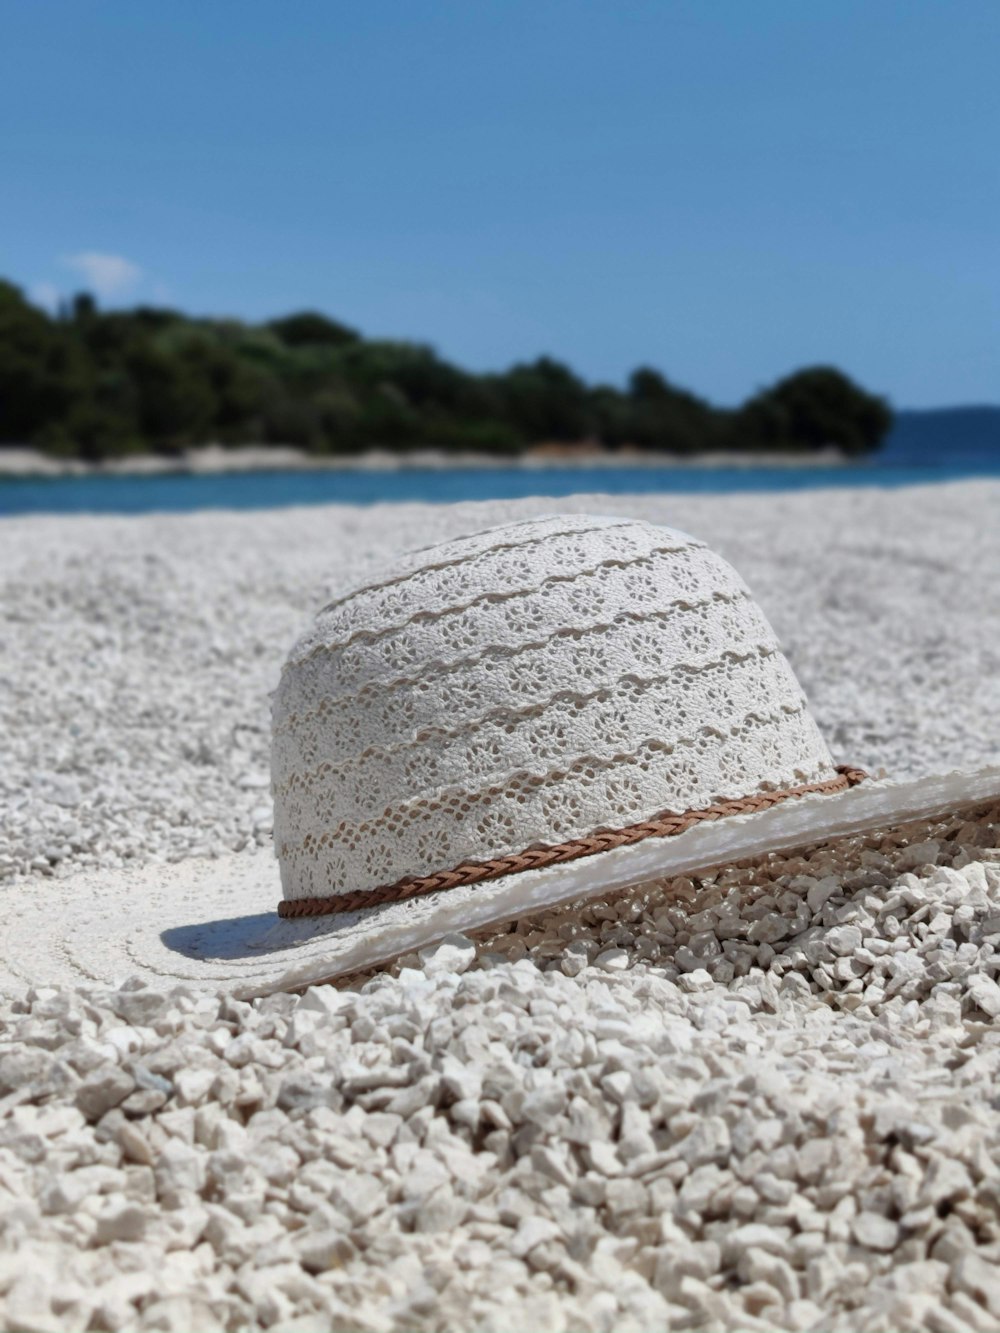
<point>523,687</point>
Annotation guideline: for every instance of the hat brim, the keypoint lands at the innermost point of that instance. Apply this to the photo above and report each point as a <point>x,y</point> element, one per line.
<point>214,923</point>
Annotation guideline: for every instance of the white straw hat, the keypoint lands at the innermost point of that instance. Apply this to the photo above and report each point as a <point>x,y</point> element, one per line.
<point>543,712</point>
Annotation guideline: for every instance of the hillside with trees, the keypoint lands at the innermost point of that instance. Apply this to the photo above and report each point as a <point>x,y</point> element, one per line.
<point>93,384</point>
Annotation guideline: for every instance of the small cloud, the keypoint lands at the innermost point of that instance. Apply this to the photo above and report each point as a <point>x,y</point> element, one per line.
<point>107,276</point>
<point>46,295</point>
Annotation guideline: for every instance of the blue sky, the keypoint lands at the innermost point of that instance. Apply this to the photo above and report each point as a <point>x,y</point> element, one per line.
<point>726,189</point>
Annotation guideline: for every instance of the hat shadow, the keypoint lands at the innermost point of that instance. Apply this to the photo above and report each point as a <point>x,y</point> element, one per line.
<point>244,937</point>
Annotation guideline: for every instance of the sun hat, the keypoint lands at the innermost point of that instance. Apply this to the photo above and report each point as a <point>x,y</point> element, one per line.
<point>543,712</point>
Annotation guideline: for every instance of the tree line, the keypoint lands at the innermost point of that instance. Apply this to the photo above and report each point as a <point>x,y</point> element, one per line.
<point>91,384</point>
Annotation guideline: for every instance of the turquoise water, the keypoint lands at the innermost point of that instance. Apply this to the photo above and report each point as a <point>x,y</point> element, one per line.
<point>267,490</point>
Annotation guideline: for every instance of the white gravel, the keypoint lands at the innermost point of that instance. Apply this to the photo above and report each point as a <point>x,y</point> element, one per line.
<point>767,1104</point>
<point>136,655</point>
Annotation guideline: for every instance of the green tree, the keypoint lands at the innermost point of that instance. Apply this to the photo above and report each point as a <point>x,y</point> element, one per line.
<point>42,370</point>
<point>664,417</point>
<point>175,401</point>
<point>815,407</point>
<point>611,413</point>
<point>307,328</point>
<point>544,400</point>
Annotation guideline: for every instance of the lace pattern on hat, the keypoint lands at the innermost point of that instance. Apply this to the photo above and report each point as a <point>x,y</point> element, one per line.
<point>526,686</point>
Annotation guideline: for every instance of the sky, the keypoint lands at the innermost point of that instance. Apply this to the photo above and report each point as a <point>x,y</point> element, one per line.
<point>726,190</point>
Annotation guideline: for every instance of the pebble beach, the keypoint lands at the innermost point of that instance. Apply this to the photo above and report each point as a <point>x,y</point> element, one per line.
<point>759,1100</point>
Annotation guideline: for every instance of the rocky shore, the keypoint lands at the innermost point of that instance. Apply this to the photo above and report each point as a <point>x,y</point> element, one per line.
<point>214,458</point>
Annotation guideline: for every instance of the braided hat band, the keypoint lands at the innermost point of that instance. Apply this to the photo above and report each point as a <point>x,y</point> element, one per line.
<point>667,824</point>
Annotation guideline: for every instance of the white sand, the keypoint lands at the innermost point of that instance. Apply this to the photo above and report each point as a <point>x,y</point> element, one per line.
<point>769,1109</point>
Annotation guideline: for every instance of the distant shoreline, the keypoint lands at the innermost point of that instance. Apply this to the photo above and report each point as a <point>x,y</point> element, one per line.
<point>17,462</point>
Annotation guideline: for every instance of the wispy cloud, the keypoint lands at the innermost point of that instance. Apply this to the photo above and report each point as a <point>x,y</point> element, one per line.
<point>107,276</point>
<point>46,295</point>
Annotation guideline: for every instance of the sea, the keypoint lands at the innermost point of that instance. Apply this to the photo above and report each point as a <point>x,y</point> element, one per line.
<point>924,447</point>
